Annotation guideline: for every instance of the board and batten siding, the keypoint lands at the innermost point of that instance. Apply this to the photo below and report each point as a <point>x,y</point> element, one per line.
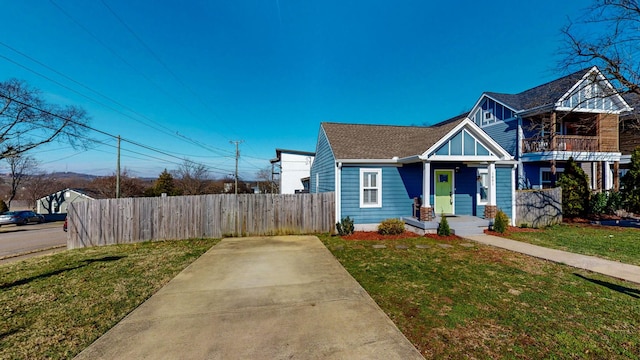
<point>323,170</point>
<point>396,202</point>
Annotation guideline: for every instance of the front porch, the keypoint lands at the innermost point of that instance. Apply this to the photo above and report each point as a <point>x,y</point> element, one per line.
<point>461,225</point>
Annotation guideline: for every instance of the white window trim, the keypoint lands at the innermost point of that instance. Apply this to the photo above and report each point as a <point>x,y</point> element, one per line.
<point>545,169</point>
<point>479,199</point>
<point>378,187</point>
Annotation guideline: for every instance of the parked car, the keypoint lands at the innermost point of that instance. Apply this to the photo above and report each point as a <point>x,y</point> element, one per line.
<point>64,226</point>
<point>20,217</point>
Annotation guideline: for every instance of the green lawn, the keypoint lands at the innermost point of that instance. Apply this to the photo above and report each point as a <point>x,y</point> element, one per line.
<point>55,306</point>
<point>607,242</point>
<point>486,303</point>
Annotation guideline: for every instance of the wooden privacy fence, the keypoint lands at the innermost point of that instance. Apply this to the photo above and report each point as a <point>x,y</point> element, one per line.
<point>118,221</point>
<point>539,208</point>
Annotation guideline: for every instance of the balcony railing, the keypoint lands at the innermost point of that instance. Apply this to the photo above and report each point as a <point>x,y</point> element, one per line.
<point>563,143</point>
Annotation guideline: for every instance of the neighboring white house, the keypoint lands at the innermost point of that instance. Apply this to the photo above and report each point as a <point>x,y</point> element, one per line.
<point>57,203</point>
<point>290,167</point>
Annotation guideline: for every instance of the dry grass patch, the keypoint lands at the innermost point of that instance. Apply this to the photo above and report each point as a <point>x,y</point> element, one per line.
<point>54,306</point>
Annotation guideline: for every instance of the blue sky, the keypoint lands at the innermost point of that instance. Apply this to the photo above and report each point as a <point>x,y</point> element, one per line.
<point>188,77</point>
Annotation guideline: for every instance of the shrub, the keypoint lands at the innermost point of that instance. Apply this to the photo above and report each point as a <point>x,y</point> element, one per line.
<point>443,226</point>
<point>391,227</point>
<point>345,226</point>
<point>501,222</point>
<point>3,206</point>
<point>598,203</point>
<point>631,183</point>
<point>614,201</point>
<point>575,190</point>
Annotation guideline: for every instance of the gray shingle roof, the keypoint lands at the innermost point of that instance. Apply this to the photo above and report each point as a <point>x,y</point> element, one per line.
<point>545,94</point>
<point>359,141</point>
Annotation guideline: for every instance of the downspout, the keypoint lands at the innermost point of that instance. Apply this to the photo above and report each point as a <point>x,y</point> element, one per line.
<point>519,140</point>
<point>338,191</point>
<point>514,210</point>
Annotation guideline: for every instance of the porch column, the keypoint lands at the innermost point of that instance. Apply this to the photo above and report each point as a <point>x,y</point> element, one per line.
<point>491,209</point>
<point>607,182</point>
<point>553,147</point>
<point>616,175</point>
<point>426,211</point>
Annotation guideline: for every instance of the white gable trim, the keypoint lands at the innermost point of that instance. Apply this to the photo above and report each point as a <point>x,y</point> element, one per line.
<point>485,95</point>
<point>601,80</point>
<point>63,193</point>
<point>478,134</point>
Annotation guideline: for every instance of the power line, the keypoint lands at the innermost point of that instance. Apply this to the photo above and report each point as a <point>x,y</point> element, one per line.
<point>161,128</point>
<point>92,128</point>
<point>195,94</point>
<point>75,21</point>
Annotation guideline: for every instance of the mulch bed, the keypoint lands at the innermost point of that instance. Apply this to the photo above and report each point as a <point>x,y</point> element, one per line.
<point>373,235</point>
<point>442,238</point>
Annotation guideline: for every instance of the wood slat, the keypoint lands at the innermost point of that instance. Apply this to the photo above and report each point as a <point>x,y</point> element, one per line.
<point>118,221</point>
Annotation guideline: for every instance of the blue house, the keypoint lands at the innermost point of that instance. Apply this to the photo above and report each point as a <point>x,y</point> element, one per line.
<point>379,172</point>
<point>573,116</point>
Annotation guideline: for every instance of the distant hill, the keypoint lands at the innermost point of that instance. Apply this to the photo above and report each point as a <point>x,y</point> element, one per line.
<point>73,175</point>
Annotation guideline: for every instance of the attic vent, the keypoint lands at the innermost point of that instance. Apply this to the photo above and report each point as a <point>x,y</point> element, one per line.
<point>488,115</point>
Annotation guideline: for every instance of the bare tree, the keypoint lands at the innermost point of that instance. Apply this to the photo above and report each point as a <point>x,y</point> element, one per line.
<point>192,178</point>
<point>21,168</point>
<point>39,186</point>
<point>607,35</point>
<point>266,183</point>
<point>27,121</point>
<point>105,186</point>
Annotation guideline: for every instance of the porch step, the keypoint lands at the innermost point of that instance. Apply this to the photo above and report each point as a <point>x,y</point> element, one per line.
<point>467,225</point>
<point>461,225</point>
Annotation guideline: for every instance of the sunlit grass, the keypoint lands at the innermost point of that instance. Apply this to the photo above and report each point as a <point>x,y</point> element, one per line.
<point>55,306</point>
<point>607,242</point>
<point>486,303</point>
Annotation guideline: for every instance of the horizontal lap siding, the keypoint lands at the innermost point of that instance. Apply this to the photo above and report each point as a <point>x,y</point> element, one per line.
<point>324,166</point>
<point>505,134</point>
<point>396,202</point>
<point>504,195</point>
<point>465,190</point>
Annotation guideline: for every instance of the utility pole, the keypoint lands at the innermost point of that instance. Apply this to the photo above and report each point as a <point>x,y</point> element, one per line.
<point>118,171</point>
<point>237,142</point>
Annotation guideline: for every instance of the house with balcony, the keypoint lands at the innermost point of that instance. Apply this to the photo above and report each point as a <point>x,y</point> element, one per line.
<point>573,116</point>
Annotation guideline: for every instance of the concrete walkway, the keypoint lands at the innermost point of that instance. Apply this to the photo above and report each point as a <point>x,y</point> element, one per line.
<point>607,267</point>
<point>258,298</point>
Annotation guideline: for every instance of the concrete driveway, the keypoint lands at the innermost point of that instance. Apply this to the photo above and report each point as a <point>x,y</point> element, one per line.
<point>258,298</point>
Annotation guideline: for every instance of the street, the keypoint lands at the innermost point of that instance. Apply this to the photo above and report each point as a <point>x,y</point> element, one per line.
<point>29,239</point>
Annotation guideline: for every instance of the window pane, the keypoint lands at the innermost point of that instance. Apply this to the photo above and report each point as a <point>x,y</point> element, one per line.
<point>443,150</point>
<point>456,145</point>
<point>469,144</point>
<point>484,186</point>
<point>373,181</point>
<point>370,196</point>
<point>481,150</point>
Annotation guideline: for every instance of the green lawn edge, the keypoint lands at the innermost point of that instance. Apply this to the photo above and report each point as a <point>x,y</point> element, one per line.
<point>55,306</point>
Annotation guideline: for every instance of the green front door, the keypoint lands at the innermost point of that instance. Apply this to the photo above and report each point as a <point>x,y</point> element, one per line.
<point>444,191</point>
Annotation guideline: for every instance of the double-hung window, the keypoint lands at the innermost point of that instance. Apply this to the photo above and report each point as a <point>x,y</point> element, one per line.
<point>370,187</point>
<point>483,186</point>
